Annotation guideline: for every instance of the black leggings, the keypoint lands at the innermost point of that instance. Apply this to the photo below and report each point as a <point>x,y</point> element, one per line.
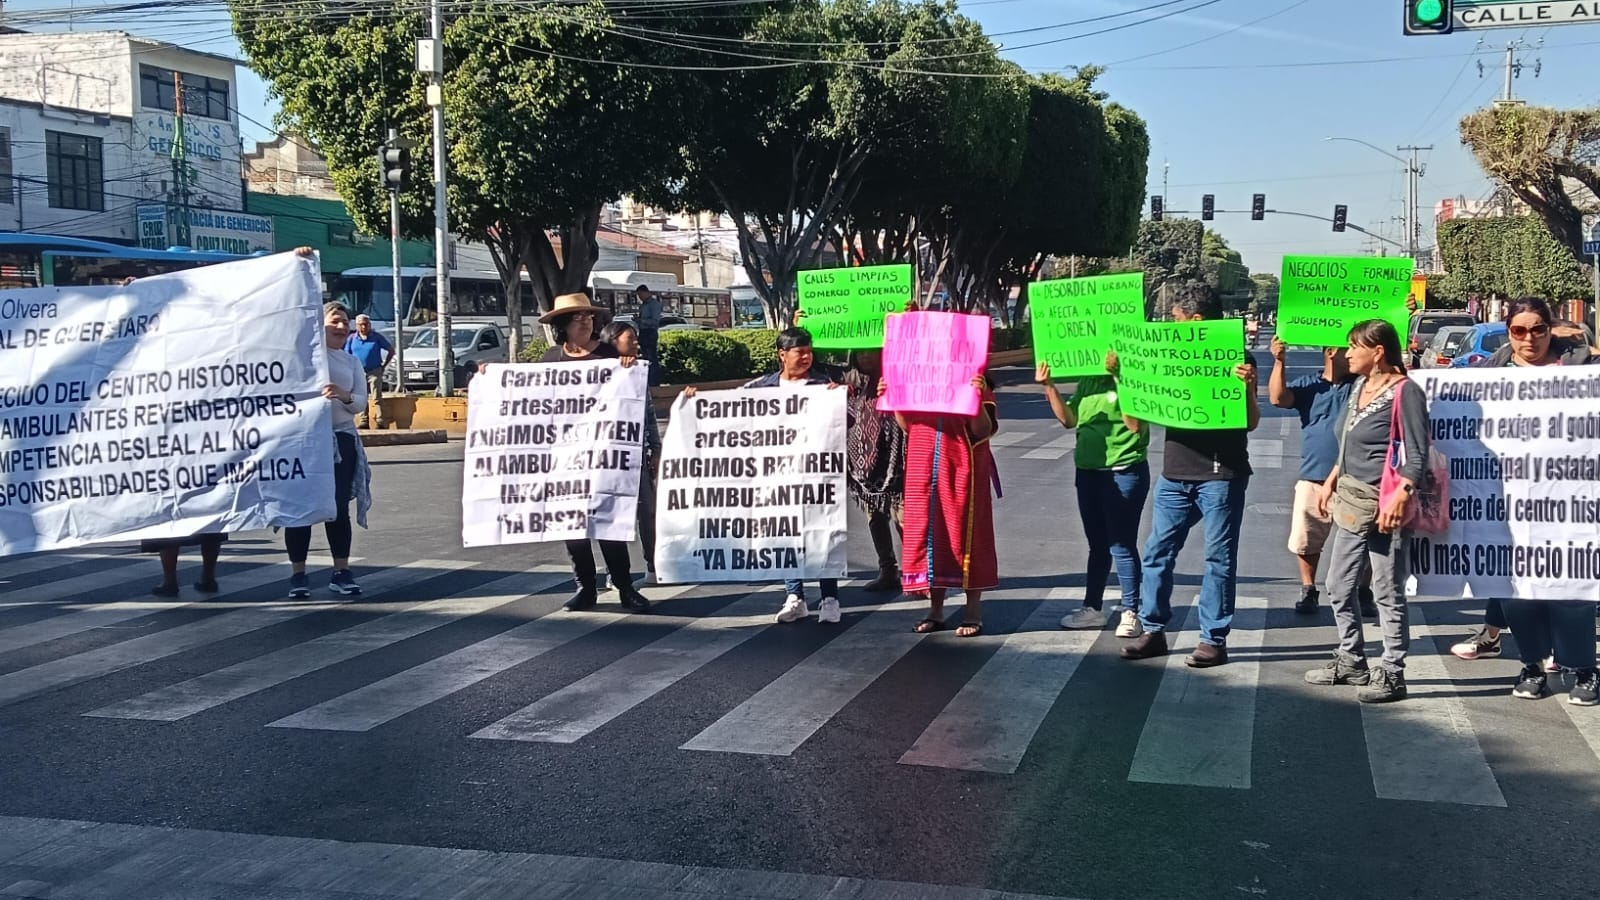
<point>617,559</point>
<point>339,532</point>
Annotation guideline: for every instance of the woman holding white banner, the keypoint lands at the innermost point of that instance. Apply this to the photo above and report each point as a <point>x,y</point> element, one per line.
<point>1369,535</point>
<point>572,320</point>
<point>1551,634</point>
<point>346,393</point>
<point>624,338</point>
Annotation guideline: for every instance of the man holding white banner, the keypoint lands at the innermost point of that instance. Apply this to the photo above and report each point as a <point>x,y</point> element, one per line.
<point>135,412</point>
<point>753,482</point>
<point>554,453</point>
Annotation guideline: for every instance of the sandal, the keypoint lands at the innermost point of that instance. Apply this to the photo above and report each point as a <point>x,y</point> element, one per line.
<point>969,629</point>
<point>929,626</point>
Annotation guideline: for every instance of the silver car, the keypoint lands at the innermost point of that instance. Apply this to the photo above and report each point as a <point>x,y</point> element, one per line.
<point>1444,345</point>
<point>470,344</point>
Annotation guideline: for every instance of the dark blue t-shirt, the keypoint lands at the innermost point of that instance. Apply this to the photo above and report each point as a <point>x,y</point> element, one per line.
<point>368,351</point>
<point>1320,403</point>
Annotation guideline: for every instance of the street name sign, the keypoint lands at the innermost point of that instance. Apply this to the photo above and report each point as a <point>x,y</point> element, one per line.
<point>1480,15</point>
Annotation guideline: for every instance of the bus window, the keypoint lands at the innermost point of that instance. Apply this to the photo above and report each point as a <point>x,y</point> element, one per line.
<point>369,296</point>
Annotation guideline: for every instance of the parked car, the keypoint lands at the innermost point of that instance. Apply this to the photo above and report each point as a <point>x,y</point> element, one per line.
<point>470,342</point>
<point>1425,324</point>
<point>1443,347</point>
<point>1480,343</point>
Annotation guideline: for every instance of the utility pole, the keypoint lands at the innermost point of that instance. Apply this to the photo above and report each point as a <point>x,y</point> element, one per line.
<point>430,61</point>
<point>1514,69</point>
<point>1414,172</point>
<point>1166,170</point>
<point>700,245</point>
<point>180,168</point>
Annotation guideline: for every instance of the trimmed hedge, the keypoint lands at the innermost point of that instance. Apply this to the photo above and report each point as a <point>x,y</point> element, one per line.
<point>1002,339</point>
<point>762,343</point>
<point>691,356</point>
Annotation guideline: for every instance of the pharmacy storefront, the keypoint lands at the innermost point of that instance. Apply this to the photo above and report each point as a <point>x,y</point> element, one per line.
<point>210,230</point>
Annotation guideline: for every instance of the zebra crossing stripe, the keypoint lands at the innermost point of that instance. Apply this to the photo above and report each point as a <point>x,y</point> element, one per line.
<point>1286,425</point>
<point>213,689</point>
<point>1009,438</point>
<point>384,701</point>
<point>992,720</point>
<point>1424,747</point>
<point>789,710</point>
<point>136,571</point>
<point>45,561</point>
<point>1056,449</point>
<point>1201,726</point>
<point>584,706</point>
<point>106,614</point>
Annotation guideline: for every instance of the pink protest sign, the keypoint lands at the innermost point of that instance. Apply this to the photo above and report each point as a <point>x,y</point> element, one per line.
<point>929,359</point>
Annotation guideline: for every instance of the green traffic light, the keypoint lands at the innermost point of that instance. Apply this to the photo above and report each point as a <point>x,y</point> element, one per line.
<point>1427,12</point>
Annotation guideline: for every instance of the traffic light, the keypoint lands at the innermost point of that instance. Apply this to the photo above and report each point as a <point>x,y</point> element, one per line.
<point>394,166</point>
<point>1258,207</point>
<point>1155,209</point>
<point>1429,17</point>
<point>1339,214</point>
<point>1208,207</point>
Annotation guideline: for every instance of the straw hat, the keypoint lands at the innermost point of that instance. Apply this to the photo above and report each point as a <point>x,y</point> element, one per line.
<point>567,304</point>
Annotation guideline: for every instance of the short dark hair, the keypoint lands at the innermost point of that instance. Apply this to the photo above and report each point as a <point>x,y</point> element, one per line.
<point>1536,305</point>
<point>1378,333</point>
<point>610,333</point>
<point>791,338</point>
<point>1197,300</point>
<point>642,289</point>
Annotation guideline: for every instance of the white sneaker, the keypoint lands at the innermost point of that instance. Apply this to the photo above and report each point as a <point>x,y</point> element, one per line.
<point>794,609</point>
<point>1130,626</point>
<point>607,585</point>
<point>1084,617</point>
<point>828,611</point>
<point>648,579</point>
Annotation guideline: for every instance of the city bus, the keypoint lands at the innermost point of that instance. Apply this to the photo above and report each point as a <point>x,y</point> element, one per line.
<point>480,296</point>
<point>40,260</point>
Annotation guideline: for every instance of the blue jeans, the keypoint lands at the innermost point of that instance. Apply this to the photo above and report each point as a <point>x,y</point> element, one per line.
<point>1179,506</point>
<point>830,588</point>
<point>1110,504</point>
<point>1562,627</point>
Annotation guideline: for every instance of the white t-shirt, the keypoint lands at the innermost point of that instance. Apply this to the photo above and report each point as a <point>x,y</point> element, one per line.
<point>344,371</point>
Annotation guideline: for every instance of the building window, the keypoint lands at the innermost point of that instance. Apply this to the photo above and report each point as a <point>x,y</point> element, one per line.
<point>76,171</point>
<point>202,96</point>
<point>6,188</point>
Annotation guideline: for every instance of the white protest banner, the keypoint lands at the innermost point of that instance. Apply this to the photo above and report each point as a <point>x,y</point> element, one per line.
<point>176,405</point>
<point>1524,451</point>
<point>752,487</point>
<point>553,452</point>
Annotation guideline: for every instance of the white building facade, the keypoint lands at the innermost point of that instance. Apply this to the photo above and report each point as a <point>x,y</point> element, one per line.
<point>87,126</point>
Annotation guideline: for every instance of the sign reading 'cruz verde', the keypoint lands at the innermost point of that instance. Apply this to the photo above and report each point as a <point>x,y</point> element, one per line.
<point>844,308</point>
<point>1321,297</point>
<point>1072,319</point>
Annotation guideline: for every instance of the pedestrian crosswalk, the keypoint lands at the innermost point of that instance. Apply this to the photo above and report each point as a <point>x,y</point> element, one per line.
<point>1199,726</point>
<point>1274,445</point>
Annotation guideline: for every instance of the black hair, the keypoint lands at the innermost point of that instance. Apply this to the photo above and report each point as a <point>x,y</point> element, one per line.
<point>610,333</point>
<point>1197,300</point>
<point>642,289</point>
<point>1536,305</point>
<point>1378,333</point>
<point>791,338</point>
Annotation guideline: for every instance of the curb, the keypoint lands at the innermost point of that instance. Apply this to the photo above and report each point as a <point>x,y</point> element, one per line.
<point>404,437</point>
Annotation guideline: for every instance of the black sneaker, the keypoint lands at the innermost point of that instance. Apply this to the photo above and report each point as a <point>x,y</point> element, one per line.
<point>583,599</point>
<point>1342,669</point>
<point>344,583</point>
<point>1369,606</point>
<point>1586,689</point>
<point>1386,687</point>
<point>1308,599</point>
<point>1532,683</point>
<point>631,599</point>
<point>299,586</point>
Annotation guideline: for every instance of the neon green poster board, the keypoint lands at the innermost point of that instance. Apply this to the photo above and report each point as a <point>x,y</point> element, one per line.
<point>1322,297</point>
<point>1072,319</point>
<point>844,308</point>
<point>1181,373</point>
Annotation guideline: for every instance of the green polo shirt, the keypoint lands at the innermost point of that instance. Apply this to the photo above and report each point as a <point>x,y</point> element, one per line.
<point>1104,442</point>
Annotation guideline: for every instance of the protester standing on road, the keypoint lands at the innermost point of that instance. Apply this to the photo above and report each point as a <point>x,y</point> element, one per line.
<point>948,516</point>
<point>1113,479</point>
<point>1551,634</point>
<point>877,465</point>
<point>624,338</point>
<point>1369,538</point>
<point>346,393</point>
<point>1204,476</point>
<point>373,351</point>
<point>1319,400</point>
<point>572,320</point>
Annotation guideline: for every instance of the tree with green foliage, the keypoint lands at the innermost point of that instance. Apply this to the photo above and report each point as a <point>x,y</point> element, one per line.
<point>1506,257</point>
<point>1546,157</point>
<point>539,138</point>
<point>1264,292</point>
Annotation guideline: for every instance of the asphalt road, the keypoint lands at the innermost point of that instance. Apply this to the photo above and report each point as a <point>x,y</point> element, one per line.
<point>703,746</point>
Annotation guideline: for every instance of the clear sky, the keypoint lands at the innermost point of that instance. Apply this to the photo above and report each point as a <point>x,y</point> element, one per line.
<point>1238,94</point>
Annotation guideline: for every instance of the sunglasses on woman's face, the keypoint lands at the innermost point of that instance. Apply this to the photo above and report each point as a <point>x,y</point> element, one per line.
<point>1519,332</point>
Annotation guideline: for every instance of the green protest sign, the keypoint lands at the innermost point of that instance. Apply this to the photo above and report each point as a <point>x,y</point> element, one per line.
<point>1181,373</point>
<point>1072,319</point>
<point>844,308</point>
<point>1322,297</point>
